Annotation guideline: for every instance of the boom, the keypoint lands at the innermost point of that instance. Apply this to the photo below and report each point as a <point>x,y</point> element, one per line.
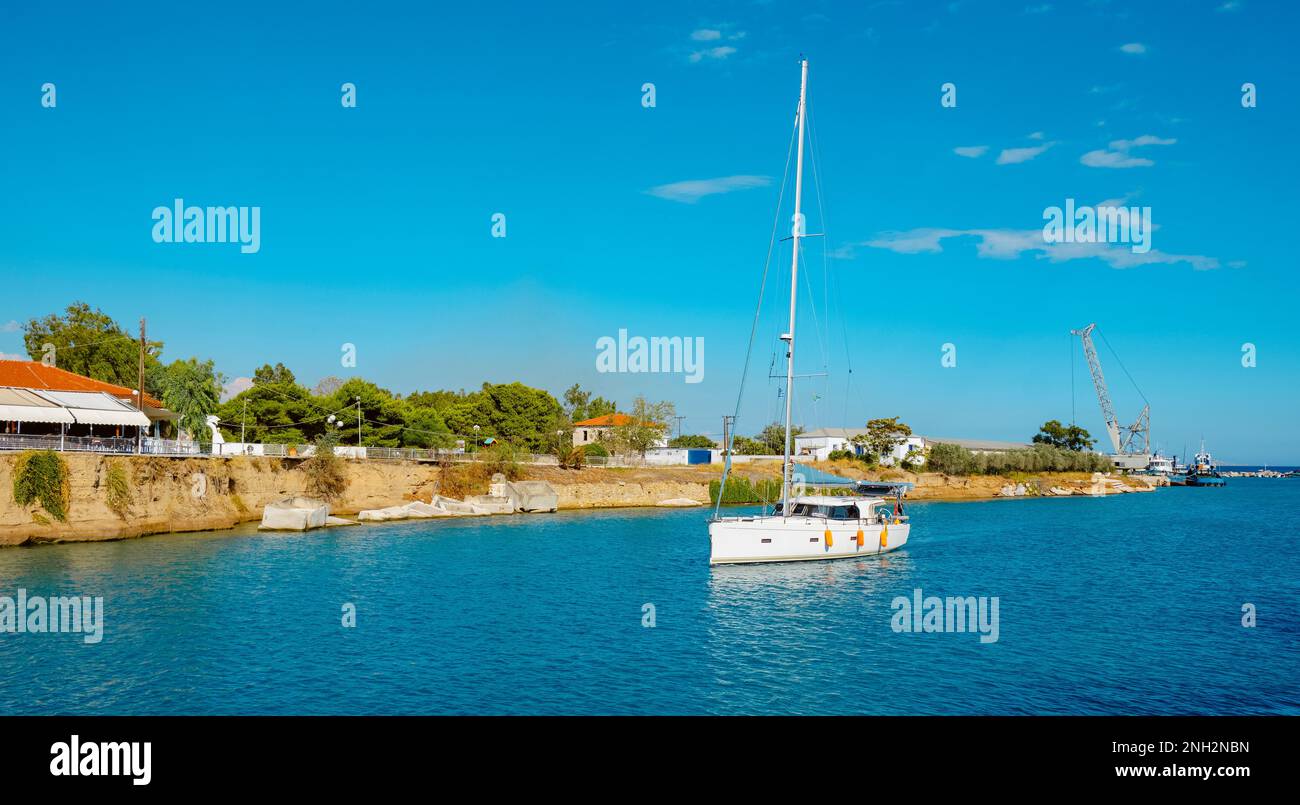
<point>1099,380</point>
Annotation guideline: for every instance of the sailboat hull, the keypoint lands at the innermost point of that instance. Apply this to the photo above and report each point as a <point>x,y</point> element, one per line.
<point>750,540</point>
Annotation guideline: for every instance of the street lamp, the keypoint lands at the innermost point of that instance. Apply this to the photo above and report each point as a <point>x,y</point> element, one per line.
<point>476,439</point>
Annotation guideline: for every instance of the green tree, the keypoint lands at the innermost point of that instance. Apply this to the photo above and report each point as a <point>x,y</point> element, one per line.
<point>646,425</point>
<point>579,404</point>
<point>745,446</point>
<point>277,375</point>
<point>192,389</point>
<point>882,436</point>
<point>692,441</point>
<point>272,412</point>
<point>773,438</point>
<point>88,342</point>
<point>1066,437</point>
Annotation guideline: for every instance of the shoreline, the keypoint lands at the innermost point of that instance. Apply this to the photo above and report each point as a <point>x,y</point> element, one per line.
<point>184,495</point>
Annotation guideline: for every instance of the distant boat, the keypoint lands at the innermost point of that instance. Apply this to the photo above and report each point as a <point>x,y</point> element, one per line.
<point>802,528</point>
<point>1160,465</point>
<point>1201,472</point>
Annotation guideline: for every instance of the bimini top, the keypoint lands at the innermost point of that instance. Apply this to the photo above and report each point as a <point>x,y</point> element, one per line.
<point>836,500</point>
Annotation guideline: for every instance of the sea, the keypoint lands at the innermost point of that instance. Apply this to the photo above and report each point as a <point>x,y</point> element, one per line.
<point>1178,601</point>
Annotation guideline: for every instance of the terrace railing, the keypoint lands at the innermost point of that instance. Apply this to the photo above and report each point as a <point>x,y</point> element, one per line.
<point>84,444</point>
<point>174,447</point>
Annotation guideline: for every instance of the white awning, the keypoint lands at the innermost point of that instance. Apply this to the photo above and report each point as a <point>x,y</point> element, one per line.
<point>96,408</point>
<point>20,405</point>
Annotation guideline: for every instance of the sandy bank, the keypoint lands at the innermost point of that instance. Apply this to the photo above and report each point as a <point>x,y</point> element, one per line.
<point>199,494</point>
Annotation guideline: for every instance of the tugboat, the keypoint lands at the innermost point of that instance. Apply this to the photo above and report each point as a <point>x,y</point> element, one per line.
<point>1202,471</point>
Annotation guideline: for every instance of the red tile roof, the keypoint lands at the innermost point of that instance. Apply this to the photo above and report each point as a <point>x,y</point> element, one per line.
<point>604,421</point>
<point>36,375</point>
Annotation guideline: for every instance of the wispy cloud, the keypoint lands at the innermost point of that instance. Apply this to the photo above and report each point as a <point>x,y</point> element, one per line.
<point>1118,156</point>
<point>720,52</point>
<point>9,356</point>
<point>1231,5</point>
<point>1010,244</point>
<point>1011,156</point>
<point>718,34</point>
<point>1133,48</point>
<point>971,151</point>
<point>10,326</point>
<point>692,190</point>
<point>1039,9</point>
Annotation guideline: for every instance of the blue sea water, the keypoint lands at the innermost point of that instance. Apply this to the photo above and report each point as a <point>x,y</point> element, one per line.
<point>1126,604</point>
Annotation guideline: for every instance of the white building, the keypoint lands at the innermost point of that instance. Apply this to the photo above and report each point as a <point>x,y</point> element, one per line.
<point>819,444</point>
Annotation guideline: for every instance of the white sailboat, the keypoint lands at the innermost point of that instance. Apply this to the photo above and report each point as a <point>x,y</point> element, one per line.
<point>803,528</point>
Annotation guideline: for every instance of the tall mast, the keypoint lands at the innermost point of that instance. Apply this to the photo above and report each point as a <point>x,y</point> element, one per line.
<point>795,233</point>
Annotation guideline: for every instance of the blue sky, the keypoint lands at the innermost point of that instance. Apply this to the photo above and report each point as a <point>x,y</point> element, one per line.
<point>376,229</point>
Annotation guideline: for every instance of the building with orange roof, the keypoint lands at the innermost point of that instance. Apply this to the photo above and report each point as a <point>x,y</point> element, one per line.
<point>590,431</point>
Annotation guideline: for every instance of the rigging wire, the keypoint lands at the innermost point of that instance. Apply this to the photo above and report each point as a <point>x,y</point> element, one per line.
<point>821,207</point>
<point>767,264</point>
<point>1122,366</point>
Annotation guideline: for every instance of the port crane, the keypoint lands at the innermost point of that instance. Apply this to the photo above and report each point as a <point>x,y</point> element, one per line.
<point>1132,443</point>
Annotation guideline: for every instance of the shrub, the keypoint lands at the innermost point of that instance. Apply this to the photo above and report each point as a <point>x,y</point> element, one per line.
<point>954,460</point>
<point>326,476</point>
<point>119,490</point>
<point>570,457</point>
<point>460,479</point>
<point>502,458</point>
<point>742,490</point>
<point>950,459</point>
<point>595,449</point>
<point>42,475</point>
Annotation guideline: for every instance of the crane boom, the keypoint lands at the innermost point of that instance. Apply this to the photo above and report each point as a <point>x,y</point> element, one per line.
<point>1099,380</point>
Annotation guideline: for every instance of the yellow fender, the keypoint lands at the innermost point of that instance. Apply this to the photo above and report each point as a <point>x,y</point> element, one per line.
<point>884,536</point>
<point>829,539</point>
<point>861,540</point>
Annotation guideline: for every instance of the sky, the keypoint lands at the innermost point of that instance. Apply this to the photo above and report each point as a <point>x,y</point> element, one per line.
<point>376,220</point>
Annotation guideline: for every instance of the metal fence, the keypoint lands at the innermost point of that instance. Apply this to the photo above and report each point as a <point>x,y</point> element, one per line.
<point>85,444</point>
<point>174,447</point>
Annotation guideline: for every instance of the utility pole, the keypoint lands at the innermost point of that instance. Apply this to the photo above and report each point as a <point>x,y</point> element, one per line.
<point>679,424</point>
<point>727,422</point>
<point>243,421</point>
<point>139,398</point>
<point>358,399</point>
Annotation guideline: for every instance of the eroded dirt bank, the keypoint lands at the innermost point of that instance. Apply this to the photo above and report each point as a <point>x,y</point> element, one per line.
<point>199,494</point>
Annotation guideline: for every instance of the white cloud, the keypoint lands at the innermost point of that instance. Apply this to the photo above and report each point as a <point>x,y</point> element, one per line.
<point>1009,244</point>
<point>1145,139</point>
<point>1231,5</point>
<point>1114,159</point>
<point>1040,9</point>
<point>706,34</point>
<point>1038,135</point>
<point>1118,156</point>
<point>9,356</point>
<point>1134,48</point>
<point>1011,156</point>
<point>971,151</point>
<point>10,326</point>
<point>721,52</point>
<point>691,191</point>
